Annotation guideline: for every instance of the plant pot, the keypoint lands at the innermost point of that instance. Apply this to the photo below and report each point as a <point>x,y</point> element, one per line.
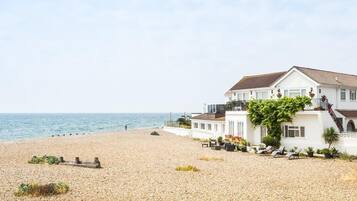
<point>328,155</point>
<point>310,154</point>
<point>243,149</point>
<point>216,148</point>
<point>230,147</point>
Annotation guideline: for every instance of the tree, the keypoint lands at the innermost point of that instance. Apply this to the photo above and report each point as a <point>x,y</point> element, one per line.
<point>272,113</point>
<point>330,136</point>
<point>184,120</point>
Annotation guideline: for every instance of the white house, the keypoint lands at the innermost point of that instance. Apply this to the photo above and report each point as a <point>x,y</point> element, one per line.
<point>334,105</point>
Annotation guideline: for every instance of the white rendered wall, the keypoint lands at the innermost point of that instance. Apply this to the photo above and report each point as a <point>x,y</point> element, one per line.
<point>199,133</point>
<point>296,80</point>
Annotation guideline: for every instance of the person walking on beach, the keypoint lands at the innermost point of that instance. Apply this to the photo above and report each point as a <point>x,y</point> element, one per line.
<point>126,127</point>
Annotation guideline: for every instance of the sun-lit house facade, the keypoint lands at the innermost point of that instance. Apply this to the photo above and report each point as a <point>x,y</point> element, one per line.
<point>334,105</point>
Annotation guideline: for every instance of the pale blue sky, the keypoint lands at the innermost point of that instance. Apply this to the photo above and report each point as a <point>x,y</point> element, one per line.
<point>160,56</point>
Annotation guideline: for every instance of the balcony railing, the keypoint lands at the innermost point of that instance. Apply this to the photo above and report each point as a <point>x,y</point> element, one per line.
<point>348,134</point>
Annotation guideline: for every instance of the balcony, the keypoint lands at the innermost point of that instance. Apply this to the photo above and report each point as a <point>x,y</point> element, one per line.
<point>237,106</point>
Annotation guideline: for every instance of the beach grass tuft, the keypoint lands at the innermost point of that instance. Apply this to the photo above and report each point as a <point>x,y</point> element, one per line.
<point>187,168</point>
<point>200,139</point>
<point>209,158</point>
<point>36,190</point>
<point>44,159</point>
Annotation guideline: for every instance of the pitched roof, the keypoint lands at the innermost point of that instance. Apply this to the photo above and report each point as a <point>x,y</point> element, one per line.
<point>210,117</point>
<point>329,77</point>
<point>348,113</point>
<point>257,81</point>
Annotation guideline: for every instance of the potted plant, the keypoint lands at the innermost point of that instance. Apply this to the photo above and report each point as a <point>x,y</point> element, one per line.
<point>327,153</point>
<point>220,140</point>
<point>311,93</point>
<point>279,95</point>
<point>334,152</point>
<point>310,152</point>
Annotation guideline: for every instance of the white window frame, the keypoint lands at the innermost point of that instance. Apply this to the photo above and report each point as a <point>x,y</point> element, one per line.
<point>297,91</point>
<point>209,127</point>
<point>245,96</point>
<point>195,125</point>
<point>353,94</point>
<point>294,131</point>
<point>240,128</point>
<point>261,95</point>
<point>231,127</point>
<point>215,127</point>
<point>203,126</point>
<point>343,91</point>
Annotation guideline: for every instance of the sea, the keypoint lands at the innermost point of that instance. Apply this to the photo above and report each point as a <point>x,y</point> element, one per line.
<point>28,126</point>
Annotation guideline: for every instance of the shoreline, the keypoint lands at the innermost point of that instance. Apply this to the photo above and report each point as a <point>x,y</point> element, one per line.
<point>41,138</point>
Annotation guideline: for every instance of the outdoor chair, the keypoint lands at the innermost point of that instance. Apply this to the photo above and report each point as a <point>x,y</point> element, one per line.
<point>212,143</point>
<point>278,152</point>
<point>205,144</point>
<point>293,155</point>
<point>267,150</point>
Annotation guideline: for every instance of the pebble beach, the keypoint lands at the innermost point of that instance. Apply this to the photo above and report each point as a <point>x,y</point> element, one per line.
<point>138,166</point>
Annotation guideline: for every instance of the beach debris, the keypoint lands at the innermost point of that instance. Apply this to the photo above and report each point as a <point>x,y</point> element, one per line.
<point>155,133</point>
<point>37,190</point>
<point>77,162</point>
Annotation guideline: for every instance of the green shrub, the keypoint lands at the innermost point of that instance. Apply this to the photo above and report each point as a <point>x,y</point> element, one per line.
<point>325,151</point>
<point>220,139</point>
<point>42,190</point>
<point>310,151</point>
<point>318,151</point>
<point>44,159</point>
<point>187,168</point>
<point>346,156</point>
<point>334,151</point>
<point>271,141</point>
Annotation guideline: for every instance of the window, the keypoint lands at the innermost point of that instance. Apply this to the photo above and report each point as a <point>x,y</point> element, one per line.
<point>286,92</point>
<point>215,127</point>
<point>294,92</point>
<point>195,125</point>
<point>231,127</point>
<point>223,128</point>
<point>240,129</point>
<point>245,96</point>
<point>203,126</point>
<point>239,96</point>
<point>294,131</point>
<point>261,95</point>
<point>343,94</point>
<point>209,127</point>
<point>303,92</point>
<point>353,95</point>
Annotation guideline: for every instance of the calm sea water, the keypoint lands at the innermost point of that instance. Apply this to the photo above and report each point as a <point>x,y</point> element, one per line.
<point>26,126</point>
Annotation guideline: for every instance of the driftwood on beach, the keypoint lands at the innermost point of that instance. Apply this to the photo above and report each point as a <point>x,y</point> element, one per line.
<point>77,162</point>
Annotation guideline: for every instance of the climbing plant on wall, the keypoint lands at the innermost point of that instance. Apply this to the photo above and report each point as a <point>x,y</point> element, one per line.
<point>272,113</point>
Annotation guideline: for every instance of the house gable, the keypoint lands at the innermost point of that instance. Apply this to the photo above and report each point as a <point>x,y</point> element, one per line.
<point>294,79</point>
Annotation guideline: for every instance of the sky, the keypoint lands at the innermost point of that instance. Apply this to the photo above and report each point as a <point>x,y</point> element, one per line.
<point>160,56</point>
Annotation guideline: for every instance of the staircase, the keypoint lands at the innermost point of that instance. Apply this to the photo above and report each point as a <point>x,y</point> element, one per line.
<point>334,117</point>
